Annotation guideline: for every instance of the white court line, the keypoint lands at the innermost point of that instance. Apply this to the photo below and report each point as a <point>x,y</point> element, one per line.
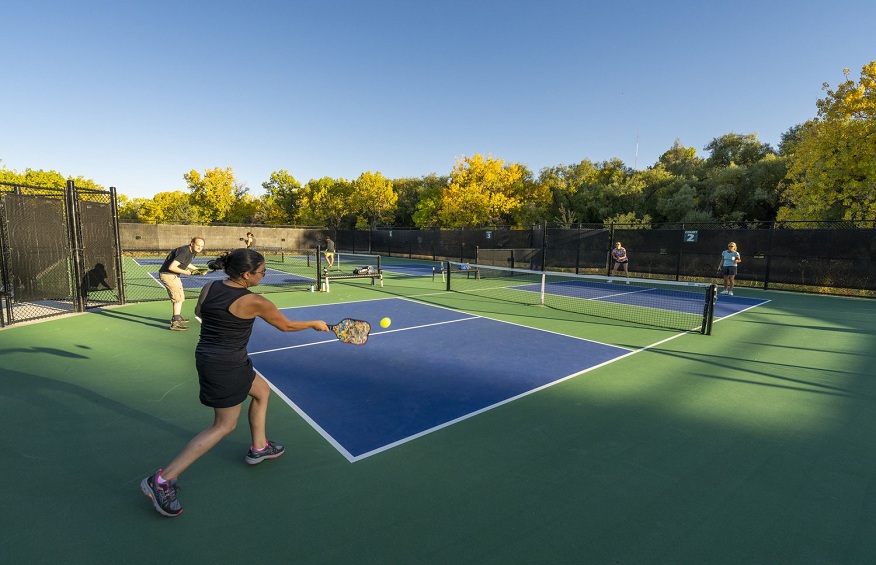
<point>716,320</point>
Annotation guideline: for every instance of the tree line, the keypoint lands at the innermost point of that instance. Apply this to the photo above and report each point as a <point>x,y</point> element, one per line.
<point>823,169</point>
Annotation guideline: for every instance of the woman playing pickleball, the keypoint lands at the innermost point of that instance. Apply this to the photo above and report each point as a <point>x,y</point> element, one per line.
<point>619,256</point>
<point>227,310</point>
<point>730,257</point>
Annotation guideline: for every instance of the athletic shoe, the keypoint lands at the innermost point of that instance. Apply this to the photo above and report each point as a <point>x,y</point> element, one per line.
<point>730,293</point>
<point>163,496</point>
<point>178,326</point>
<point>272,451</point>
<point>725,291</point>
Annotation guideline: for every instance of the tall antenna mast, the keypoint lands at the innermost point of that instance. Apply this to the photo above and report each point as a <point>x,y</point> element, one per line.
<point>636,161</point>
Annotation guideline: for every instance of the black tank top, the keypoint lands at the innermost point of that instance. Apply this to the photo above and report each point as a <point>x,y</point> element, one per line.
<point>224,336</point>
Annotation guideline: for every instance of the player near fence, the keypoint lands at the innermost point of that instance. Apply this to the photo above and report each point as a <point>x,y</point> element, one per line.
<point>620,259</point>
<point>250,240</point>
<point>179,262</point>
<point>729,259</point>
<point>329,252</point>
<point>228,310</point>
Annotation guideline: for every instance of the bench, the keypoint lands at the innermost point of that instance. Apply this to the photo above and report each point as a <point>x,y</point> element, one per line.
<point>326,279</point>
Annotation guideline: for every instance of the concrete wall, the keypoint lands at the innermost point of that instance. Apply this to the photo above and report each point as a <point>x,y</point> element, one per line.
<point>152,237</point>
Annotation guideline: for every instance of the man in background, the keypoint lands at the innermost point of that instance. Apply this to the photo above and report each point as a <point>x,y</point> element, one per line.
<point>178,262</point>
<point>329,252</point>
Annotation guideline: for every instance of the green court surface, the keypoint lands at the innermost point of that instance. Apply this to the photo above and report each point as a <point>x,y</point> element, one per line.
<point>754,445</point>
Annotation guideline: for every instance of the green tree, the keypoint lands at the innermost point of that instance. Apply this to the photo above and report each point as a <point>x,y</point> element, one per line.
<point>736,149</point>
<point>832,166</point>
<point>654,182</point>
<point>681,203</point>
<point>630,220</point>
<point>410,192</point>
<point>790,138</point>
<point>589,192</point>
<point>681,161</point>
<point>567,184</point>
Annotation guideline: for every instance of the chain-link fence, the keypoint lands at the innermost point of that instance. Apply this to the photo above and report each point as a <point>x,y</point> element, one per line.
<point>63,250</point>
<point>59,251</point>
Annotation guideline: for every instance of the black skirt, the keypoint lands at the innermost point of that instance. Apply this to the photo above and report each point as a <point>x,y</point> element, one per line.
<point>224,384</point>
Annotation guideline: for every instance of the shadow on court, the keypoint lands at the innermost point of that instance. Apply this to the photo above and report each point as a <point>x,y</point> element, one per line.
<point>42,351</point>
<point>135,318</point>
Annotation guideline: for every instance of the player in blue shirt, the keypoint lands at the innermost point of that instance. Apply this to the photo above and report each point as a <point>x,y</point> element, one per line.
<point>729,259</point>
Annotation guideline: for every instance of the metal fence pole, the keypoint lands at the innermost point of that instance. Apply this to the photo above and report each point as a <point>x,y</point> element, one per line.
<point>77,271</point>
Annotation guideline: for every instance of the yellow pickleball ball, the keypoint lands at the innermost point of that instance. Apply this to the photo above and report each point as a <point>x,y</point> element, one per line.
<point>384,323</point>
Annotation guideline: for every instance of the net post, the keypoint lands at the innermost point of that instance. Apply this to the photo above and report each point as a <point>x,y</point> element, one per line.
<point>709,309</point>
<point>447,270</point>
<point>319,277</point>
<point>541,298</point>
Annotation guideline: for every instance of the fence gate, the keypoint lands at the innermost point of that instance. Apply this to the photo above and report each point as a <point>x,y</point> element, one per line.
<point>59,251</point>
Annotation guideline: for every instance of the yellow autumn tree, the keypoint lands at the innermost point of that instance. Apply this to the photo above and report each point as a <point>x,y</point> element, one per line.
<point>212,195</point>
<point>324,202</point>
<point>481,191</point>
<point>832,168</point>
<point>373,199</point>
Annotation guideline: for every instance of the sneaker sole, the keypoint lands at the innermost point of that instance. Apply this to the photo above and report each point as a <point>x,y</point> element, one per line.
<point>144,486</point>
<point>251,461</point>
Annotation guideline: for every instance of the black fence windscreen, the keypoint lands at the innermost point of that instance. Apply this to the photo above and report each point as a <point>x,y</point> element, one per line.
<point>59,249</point>
<point>36,239</point>
<point>809,256</point>
<point>100,275</point>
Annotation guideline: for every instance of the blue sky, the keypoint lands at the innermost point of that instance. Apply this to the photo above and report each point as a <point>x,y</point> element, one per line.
<point>136,94</point>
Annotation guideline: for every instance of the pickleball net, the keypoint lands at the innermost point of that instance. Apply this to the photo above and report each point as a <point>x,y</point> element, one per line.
<point>684,306</point>
<point>289,270</point>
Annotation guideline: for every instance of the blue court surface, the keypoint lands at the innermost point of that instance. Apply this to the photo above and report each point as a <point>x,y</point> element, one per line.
<point>431,368</point>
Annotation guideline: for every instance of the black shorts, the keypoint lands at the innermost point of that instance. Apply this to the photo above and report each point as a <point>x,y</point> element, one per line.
<point>729,271</point>
<point>224,385</point>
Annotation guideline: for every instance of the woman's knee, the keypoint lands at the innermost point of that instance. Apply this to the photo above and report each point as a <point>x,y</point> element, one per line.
<point>225,420</point>
<point>259,389</point>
